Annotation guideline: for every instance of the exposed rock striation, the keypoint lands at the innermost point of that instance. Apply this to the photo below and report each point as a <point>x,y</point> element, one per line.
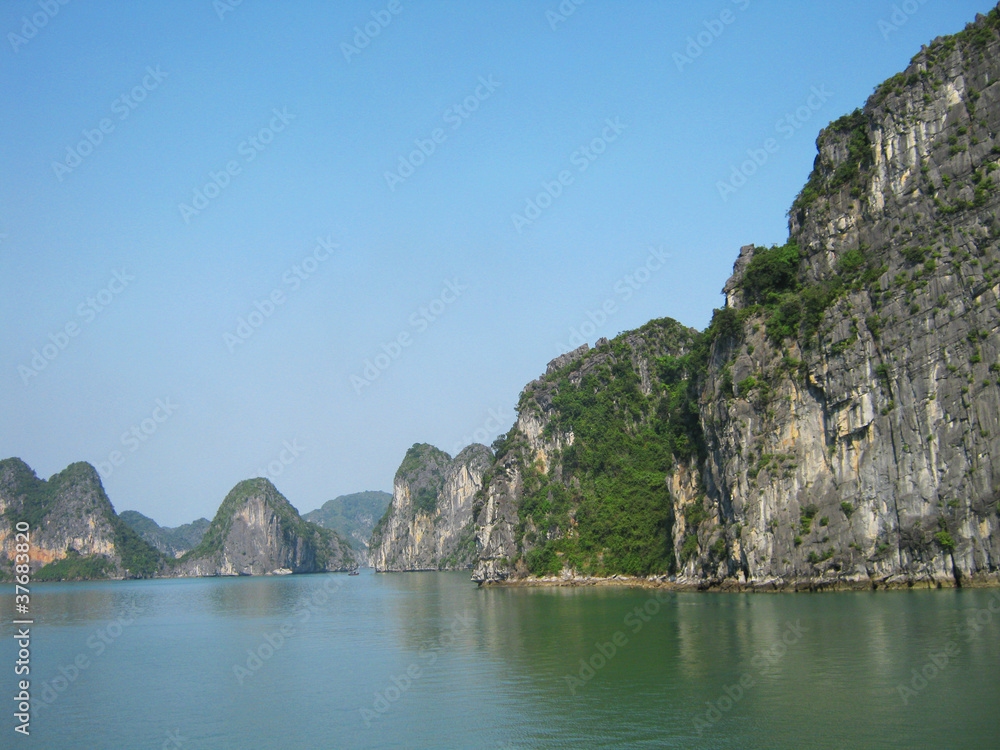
<point>428,525</point>
<point>76,535</point>
<point>73,529</point>
<point>838,424</point>
<point>256,531</point>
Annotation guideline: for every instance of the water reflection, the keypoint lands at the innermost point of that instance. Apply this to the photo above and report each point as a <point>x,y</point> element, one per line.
<point>529,667</point>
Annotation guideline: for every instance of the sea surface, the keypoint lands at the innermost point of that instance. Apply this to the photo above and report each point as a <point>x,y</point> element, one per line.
<point>427,660</point>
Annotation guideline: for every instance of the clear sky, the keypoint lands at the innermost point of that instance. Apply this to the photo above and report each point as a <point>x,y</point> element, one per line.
<point>215,215</point>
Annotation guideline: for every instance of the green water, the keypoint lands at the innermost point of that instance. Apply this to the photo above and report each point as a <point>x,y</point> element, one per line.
<point>427,660</point>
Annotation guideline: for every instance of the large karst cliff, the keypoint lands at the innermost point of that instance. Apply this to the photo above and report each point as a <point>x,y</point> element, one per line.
<point>73,530</point>
<point>428,524</point>
<point>838,424</point>
<point>256,531</point>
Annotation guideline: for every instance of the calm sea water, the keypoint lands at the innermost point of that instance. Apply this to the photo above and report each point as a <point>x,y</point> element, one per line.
<point>427,660</point>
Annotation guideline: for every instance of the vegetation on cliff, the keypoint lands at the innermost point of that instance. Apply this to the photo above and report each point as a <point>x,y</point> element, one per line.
<point>772,444</point>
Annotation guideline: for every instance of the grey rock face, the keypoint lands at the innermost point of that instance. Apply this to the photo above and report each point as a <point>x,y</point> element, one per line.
<point>69,516</point>
<point>256,531</point>
<point>888,432</point>
<point>69,512</point>
<point>428,525</point>
<point>868,455</point>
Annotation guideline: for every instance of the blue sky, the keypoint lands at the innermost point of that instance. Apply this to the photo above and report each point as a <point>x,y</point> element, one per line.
<point>257,239</point>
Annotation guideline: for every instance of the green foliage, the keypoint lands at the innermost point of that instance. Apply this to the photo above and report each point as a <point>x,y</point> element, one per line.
<point>139,558</point>
<point>690,548</point>
<point>851,262</point>
<point>417,456</point>
<point>543,561</point>
<point>944,540</point>
<point>725,324</point>
<point>624,443</point>
<point>771,271</point>
<point>719,548</point>
<point>425,500</point>
<point>794,310</point>
<point>825,180</point>
<point>816,558</point>
<point>874,325</point>
<point>38,496</point>
<point>75,567</point>
<point>847,508</point>
<point>746,385</point>
<point>785,318</point>
<point>349,514</point>
<point>806,518</point>
<point>694,514</point>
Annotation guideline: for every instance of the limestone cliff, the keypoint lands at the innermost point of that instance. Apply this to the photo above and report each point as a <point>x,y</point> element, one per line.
<point>74,531</point>
<point>428,525</point>
<point>838,424</point>
<point>256,531</point>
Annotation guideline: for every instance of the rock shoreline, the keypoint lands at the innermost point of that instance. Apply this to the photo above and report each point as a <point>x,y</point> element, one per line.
<point>793,585</point>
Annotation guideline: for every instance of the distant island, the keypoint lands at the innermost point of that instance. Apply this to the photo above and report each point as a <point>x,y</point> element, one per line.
<point>76,534</point>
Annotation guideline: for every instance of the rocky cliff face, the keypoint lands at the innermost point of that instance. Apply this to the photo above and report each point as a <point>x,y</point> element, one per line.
<point>428,525</point>
<point>74,530</point>
<point>578,485</point>
<point>839,422</point>
<point>256,531</point>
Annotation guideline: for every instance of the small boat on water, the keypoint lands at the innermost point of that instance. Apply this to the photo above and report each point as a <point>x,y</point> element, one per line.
<point>353,572</point>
